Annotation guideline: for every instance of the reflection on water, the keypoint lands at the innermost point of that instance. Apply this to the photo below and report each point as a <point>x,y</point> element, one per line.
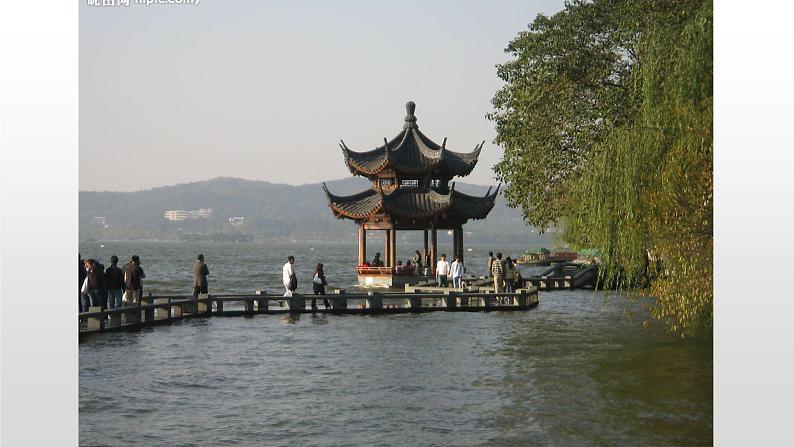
<point>574,371</point>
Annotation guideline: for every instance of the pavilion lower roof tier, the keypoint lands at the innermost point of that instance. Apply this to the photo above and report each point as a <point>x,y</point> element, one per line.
<point>411,152</point>
<point>412,204</point>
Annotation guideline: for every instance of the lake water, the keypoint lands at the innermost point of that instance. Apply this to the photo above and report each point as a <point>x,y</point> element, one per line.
<point>573,371</point>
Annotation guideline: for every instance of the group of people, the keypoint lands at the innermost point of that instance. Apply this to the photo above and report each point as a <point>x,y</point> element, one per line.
<point>412,266</point>
<point>116,287</point>
<point>445,270</point>
<point>455,270</point>
<point>290,280</point>
<point>109,288</point>
<point>505,274</point>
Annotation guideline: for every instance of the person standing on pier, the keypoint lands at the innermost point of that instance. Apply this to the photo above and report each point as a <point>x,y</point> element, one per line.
<point>458,269</point>
<point>517,280</point>
<point>442,271</point>
<point>318,286</point>
<point>498,273</point>
<point>81,278</point>
<point>510,275</point>
<point>418,262</point>
<point>376,262</point>
<point>133,281</point>
<point>288,276</point>
<point>409,268</point>
<point>114,280</point>
<point>200,273</point>
<point>103,286</point>
<point>490,263</point>
<point>88,291</point>
<point>94,277</point>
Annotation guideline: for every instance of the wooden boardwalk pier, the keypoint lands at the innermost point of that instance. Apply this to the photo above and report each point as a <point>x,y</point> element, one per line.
<point>155,310</point>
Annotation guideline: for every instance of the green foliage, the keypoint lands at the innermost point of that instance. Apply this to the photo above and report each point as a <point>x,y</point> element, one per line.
<point>565,89</point>
<point>639,188</point>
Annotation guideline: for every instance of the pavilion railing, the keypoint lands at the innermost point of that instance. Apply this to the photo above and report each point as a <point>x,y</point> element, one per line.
<point>366,270</point>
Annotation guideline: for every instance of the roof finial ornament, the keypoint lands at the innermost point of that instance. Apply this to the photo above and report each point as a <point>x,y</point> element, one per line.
<point>410,118</point>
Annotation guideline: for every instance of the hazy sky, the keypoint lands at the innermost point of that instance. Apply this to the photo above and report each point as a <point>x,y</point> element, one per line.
<point>264,90</point>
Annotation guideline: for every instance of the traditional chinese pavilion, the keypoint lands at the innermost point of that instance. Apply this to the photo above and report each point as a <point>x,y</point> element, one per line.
<point>410,190</point>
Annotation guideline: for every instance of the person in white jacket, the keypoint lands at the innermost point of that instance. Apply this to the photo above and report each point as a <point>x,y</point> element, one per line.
<point>288,276</point>
<point>458,269</point>
<point>442,271</point>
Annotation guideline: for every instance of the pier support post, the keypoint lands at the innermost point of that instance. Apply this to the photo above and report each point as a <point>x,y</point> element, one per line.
<point>450,299</point>
<point>115,320</point>
<point>148,314</point>
<point>218,306</point>
<point>132,314</point>
<point>203,304</point>
<point>161,313</point>
<point>339,303</point>
<point>295,303</point>
<point>415,302</point>
<point>191,307</point>
<point>488,299</point>
<point>95,323</point>
<point>374,301</point>
<point>261,303</point>
<point>249,306</point>
<point>176,310</point>
<point>522,298</point>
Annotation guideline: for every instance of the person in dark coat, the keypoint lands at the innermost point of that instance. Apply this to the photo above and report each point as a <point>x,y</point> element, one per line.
<point>103,287</point>
<point>133,281</point>
<point>200,273</point>
<point>418,261</point>
<point>94,280</point>
<point>81,279</point>
<point>318,286</point>
<point>114,281</point>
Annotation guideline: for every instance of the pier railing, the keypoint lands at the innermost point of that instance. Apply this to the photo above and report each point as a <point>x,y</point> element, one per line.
<point>161,309</point>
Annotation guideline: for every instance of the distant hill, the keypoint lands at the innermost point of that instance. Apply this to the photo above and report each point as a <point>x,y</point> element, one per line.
<point>273,212</point>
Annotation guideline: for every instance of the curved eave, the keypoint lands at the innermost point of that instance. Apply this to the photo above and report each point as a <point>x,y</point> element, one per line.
<point>472,207</point>
<point>411,152</point>
<point>364,163</point>
<point>411,204</point>
<point>416,204</point>
<point>356,206</point>
<point>461,164</point>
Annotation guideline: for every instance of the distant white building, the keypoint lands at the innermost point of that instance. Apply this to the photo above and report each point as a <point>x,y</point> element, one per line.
<point>178,215</point>
<point>205,213</point>
<point>237,220</point>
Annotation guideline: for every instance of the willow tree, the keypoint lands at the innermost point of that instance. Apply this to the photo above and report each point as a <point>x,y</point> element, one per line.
<point>606,121</point>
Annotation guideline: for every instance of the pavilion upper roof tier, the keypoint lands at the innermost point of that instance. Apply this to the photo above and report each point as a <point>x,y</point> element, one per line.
<point>411,153</point>
<point>405,203</point>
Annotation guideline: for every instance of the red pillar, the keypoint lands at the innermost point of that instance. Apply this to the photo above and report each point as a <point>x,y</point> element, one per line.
<point>362,244</point>
<point>387,249</point>
<point>393,247</point>
<point>433,248</point>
